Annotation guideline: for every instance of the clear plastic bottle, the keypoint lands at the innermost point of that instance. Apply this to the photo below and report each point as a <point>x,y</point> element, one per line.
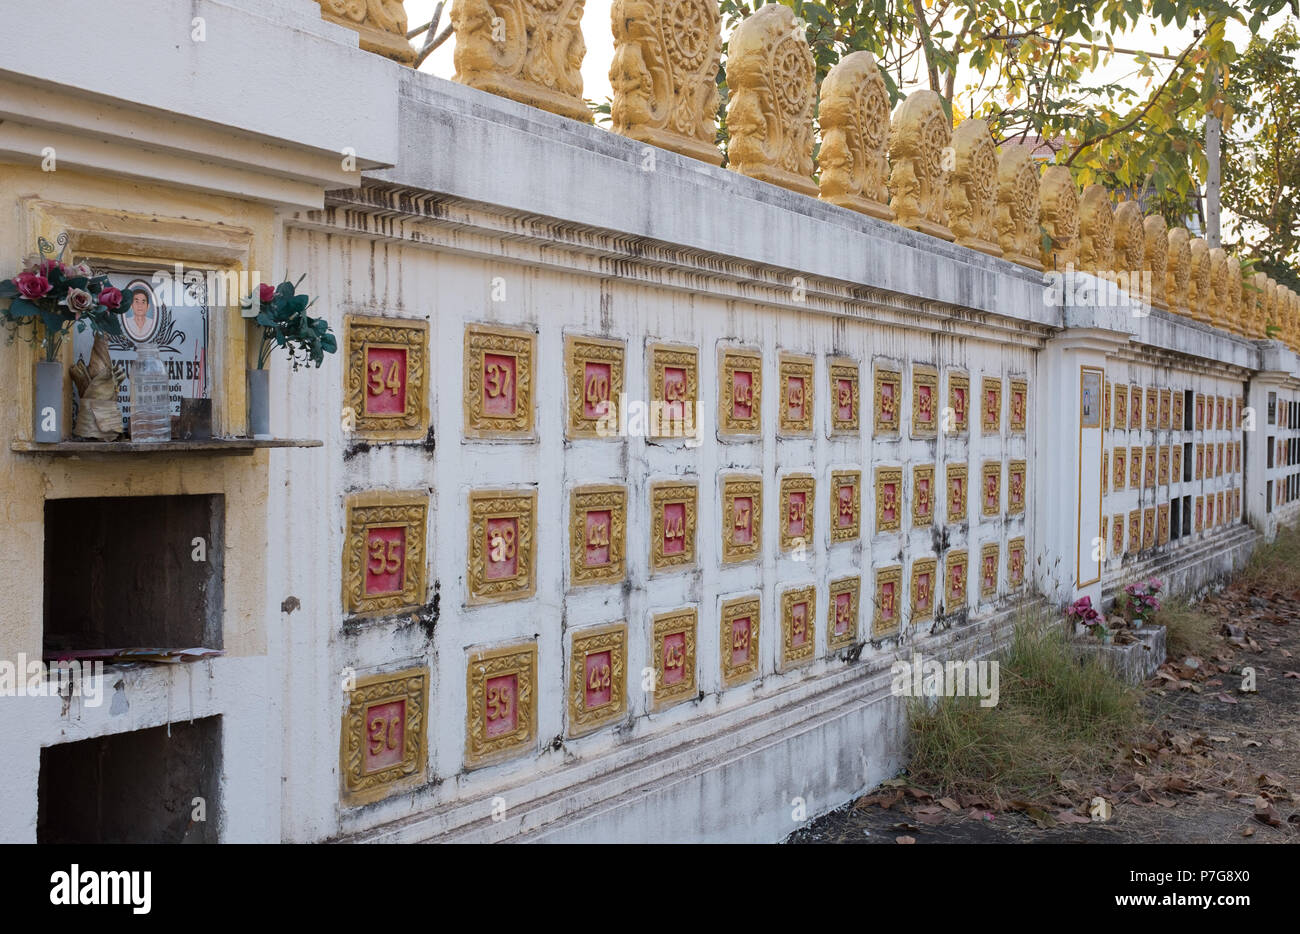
<point>151,402</point>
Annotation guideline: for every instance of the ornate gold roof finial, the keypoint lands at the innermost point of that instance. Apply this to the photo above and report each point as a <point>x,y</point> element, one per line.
<point>527,50</point>
<point>1155,260</point>
<point>1060,217</point>
<point>918,179</point>
<point>1018,207</point>
<point>380,23</point>
<point>854,155</point>
<point>1096,231</point>
<point>973,188</point>
<point>664,74</point>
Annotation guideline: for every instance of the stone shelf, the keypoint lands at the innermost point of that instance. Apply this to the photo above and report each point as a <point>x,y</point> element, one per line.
<point>211,446</point>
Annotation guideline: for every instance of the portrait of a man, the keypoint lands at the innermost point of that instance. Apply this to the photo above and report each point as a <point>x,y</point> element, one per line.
<point>141,319</point>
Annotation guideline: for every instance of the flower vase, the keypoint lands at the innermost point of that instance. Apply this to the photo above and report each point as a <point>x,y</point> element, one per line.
<point>259,403</point>
<point>47,413</point>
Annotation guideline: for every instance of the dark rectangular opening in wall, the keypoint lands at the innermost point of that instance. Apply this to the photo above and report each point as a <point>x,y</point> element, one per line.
<point>1187,515</point>
<point>133,571</point>
<point>1189,402</point>
<point>1268,496</point>
<point>1272,408</point>
<point>1187,462</point>
<point>137,787</point>
<point>1175,526</point>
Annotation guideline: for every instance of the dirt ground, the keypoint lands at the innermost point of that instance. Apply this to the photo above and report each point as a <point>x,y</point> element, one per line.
<point>1216,765</point>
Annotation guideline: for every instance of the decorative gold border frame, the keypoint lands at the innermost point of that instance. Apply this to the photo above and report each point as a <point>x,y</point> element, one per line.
<point>492,504</point>
<point>853,587</point>
<point>839,368</point>
<point>1105,535</point>
<point>854,531</point>
<point>1149,467</point>
<point>1105,478</point>
<point>1200,513</point>
<point>925,376</point>
<point>661,494</point>
<point>1152,407</point>
<point>361,332</point>
<point>684,620</point>
<point>1162,468</point>
<point>1019,425</point>
<point>1200,411</point>
<point>734,486</point>
<point>954,558</point>
<point>613,639</point>
<point>990,469</point>
<point>805,484</point>
<point>384,509</point>
<point>1022,468</point>
<point>960,423</point>
<point>1105,405</point>
<point>887,475</point>
<point>1148,527</point>
<point>1176,414</point>
<point>920,566</point>
<point>1120,407</point>
<point>600,497</point>
<point>579,351</point>
<point>732,610</point>
<point>1135,458</point>
<point>1162,524</point>
<point>792,656</point>
<point>923,472</point>
<point>1164,420</point>
<point>1015,546</point>
<point>990,426</point>
<point>987,549</point>
<point>1175,463</point>
<point>880,424</point>
<point>522,345</point>
<point>953,472</point>
<point>803,367</point>
<point>1134,532</point>
<point>731,360</point>
<point>894,575</point>
<point>520,660</point>
<point>1135,407</point>
<point>660,356</point>
<point>410,685</point>
<point>1117,535</point>
<point>1119,471</point>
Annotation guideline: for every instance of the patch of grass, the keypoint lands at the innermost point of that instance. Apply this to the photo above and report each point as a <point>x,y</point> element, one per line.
<point>1056,716</point>
<point>1189,630</point>
<point>1275,566</point>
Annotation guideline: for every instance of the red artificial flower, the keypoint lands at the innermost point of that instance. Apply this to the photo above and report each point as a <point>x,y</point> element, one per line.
<point>110,297</point>
<point>31,285</point>
<point>265,293</point>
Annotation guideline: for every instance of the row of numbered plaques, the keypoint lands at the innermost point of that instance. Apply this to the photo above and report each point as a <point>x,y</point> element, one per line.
<point>386,389</point>
<point>384,563</point>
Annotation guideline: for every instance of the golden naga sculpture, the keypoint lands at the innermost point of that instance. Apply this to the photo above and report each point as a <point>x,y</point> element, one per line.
<point>1096,231</point>
<point>1156,258</point>
<point>380,23</point>
<point>918,179</point>
<point>1059,201</point>
<point>1018,208</point>
<point>1198,282</point>
<point>99,417</point>
<point>770,75</point>
<point>1217,311</point>
<point>1271,322</point>
<point>854,157</point>
<point>665,74</point>
<point>1179,272</point>
<point>527,50</point>
<point>973,188</point>
<point>1232,307</point>
<point>1130,249</point>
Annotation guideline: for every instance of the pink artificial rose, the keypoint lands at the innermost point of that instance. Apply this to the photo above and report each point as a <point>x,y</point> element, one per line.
<point>32,285</point>
<point>82,269</point>
<point>79,301</point>
<point>110,297</point>
<point>265,293</point>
